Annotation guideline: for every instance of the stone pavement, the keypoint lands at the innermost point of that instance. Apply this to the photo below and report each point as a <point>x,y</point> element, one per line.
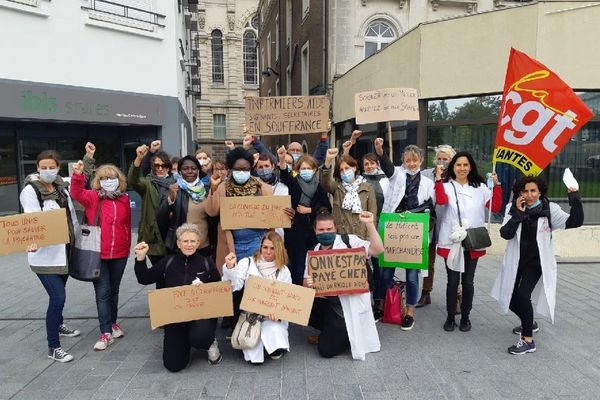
<point>425,363</point>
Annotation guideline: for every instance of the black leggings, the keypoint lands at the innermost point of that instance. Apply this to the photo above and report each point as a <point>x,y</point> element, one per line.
<point>520,302</point>
<point>181,337</point>
<point>468,290</point>
<point>333,339</point>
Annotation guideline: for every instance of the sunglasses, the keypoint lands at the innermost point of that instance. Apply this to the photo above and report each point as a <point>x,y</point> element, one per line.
<point>160,166</point>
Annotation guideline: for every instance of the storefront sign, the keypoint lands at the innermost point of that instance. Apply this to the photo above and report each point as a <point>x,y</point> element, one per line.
<point>46,102</point>
<point>287,115</point>
<point>283,301</point>
<point>340,271</point>
<point>392,104</point>
<point>538,116</point>
<point>405,239</point>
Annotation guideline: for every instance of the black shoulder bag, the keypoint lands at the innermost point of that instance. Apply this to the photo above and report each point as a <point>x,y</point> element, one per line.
<point>477,238</point>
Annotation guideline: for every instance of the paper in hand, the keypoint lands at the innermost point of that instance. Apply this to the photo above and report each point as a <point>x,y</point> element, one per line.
<point>569,180</point>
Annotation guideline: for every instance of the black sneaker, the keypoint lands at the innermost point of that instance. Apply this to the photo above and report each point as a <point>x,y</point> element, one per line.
<point>522,347</point>
<point>465,325</point>
<point>58,354</point>
<point>377,314</point>
<point>450,324</point>
<point>64,331</point>
<point>407,323</point>
<point>519,329</point>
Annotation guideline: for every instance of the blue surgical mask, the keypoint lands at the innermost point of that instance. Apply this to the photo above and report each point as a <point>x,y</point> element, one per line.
<point>296,157</point>
<point>347,176</point>
<point>289,167</point>
<point>534,205</point>
<point>265,173</point>
<point>48,175</point>
<point>241,177</point>
<point>326,238</point>
<point>306,174</point>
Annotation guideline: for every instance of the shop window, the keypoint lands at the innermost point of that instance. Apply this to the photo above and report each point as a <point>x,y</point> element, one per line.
<point>377,36</point>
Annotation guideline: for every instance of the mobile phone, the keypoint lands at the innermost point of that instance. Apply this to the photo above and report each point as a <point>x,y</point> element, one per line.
<point>523,203</point>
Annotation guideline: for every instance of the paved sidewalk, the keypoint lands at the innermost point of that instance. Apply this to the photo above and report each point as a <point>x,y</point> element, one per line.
<point>425,363</point>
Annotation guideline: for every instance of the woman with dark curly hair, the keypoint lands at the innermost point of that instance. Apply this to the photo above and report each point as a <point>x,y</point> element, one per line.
<point>529,256</point>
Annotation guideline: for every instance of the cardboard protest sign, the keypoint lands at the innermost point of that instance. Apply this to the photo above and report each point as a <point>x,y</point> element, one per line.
<point>340,271</point>
<point>42,228</point>
<point>405,239</point>
<point>287,115</point>
<point>255,212</point>
<point>189,303</point>
<point>392,104</point>
<point>284,301</point>
<point>538,116</point>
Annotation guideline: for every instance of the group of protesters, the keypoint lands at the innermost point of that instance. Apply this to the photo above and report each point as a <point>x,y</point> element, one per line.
<point>336,196</point>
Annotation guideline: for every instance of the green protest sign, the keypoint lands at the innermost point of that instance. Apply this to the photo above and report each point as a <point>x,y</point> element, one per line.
<point>405,238</point>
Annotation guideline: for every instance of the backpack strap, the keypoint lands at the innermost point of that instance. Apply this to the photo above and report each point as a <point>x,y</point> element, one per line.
<point>169,262</point>
<point>346,240</point>
<point>38,194</point>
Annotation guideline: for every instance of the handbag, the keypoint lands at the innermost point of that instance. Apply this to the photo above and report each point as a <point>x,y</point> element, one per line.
<point>247,331</point>
<point>477,238</point>
<point>394,306</point>
<point>84,264</point>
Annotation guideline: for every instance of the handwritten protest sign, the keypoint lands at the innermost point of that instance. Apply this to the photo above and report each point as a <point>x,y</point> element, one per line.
<point>42,228</point>
<point>341,271</point>
<point>255,212</point>
<point>538,116</point>
<point>189,303</point>
<point>287,115</point>
<point>405,239</point>
<point>282,300</point>
<point>392,104</point>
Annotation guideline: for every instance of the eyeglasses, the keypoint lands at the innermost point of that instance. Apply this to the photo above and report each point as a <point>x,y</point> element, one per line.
<point>160,166</point>
<point>103,178</point>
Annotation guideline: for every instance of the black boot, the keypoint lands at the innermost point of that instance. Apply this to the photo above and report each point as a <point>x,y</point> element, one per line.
<point>450,324</point>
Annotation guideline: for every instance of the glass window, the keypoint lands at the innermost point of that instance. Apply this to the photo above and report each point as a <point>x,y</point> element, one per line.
<point>218,75</point>
<point>219,128</point>
<point>378,35</point>
<point>464,109</point>
<point>250,58</point>
<point>9,191</point>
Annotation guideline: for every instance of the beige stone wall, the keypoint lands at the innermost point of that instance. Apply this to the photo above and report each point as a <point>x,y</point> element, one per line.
<point>230,17</point>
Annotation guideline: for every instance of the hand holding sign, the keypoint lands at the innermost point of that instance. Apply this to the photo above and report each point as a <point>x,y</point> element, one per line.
<point>32,248</point>
<point>230,260</point>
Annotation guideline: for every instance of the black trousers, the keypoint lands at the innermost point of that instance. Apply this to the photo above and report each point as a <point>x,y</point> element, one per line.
<point>333,339</point>
<point>180,338</point>
<point>468,290</point>
<point>520,302</point>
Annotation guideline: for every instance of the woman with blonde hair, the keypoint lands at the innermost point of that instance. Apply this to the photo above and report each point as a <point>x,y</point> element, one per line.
<point>269,263</point>
<point>107,204</point>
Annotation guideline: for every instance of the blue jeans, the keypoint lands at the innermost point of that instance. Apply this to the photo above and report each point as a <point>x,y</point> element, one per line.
<point>55,287</point>
<point>412,287</point>
<point>107,292</point>
<point>247,241</point>
<point>382,278</point>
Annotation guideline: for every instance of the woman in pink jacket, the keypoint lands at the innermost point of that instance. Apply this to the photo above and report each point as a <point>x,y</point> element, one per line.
<point>107,197</point>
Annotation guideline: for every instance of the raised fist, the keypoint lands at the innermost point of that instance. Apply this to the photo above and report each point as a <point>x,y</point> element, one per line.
<point>173,190</point>
<point>378,143</point>
<point>90,149</point>
<point>78,167</point>
<point>366,217</point>
<point>281,152</point>
<point>154,146</point>
<point>332,153</point>
<point>230,260</point>
<point>141,151</point>
<point>229,144</point>
<point>355,135</point>
<point>141,249</point>
<point>247,141</point>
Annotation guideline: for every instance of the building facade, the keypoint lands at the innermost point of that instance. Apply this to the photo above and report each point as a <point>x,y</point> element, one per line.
<point>229,71</point>
<point>115,74</point>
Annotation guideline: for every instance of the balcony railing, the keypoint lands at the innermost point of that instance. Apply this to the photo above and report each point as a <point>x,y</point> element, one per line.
<point>123,11</point>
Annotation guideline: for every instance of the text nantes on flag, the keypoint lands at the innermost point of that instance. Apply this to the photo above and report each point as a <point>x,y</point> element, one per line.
<point>538,116</point>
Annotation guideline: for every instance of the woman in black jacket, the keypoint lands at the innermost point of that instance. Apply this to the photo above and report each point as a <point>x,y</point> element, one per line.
<point>308,198</point>
<point>186,267</point>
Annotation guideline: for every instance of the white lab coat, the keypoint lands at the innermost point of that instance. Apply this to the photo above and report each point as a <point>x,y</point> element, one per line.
<point>273,334</point>
<point>358,314</point>
<point>544,294</point>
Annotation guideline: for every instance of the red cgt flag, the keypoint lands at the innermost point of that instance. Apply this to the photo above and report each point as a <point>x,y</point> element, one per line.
<point>538,115</point>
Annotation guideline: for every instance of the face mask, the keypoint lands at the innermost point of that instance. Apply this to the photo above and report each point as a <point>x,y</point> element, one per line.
<point>241,177</point>
<point>442,163</point>
<point>412,172</point>
<point>265,173</point>
<point>204,161</point>
<point>326,239</point>
<point>306,174</point>
<point>48,175</point>
<point>347,176</point>
<point>110,185</point>
<point>296,157</point>
<point>534,205</point>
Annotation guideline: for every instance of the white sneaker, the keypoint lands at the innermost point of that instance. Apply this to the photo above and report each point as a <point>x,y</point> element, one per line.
<point>214,355</point>
<point>103,342</point>
<point>117,332</point>
<point>64,331</point>
<point>58,354</point>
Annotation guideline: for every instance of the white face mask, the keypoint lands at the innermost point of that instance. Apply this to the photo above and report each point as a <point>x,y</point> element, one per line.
<point>48,175</point>
<point>412,172</point>
<point>110,185</point>
<point>204,161</point>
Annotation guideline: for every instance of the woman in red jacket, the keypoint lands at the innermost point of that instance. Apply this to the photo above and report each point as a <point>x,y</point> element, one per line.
<point>107,197</point>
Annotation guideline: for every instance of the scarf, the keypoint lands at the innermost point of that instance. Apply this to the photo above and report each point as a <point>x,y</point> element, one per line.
<point>410,200</point>
<point>308,190</point>
<point>351,199</point>
<point>195,190</point>
<point>250,188</point>
<point>104,194</point>
<point>456,257</point>
<point>162,182</point>
<point>267,269</point>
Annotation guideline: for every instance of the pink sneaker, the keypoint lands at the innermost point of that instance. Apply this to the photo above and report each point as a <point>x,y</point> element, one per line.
<point>103,342</point>
<point>117,332</point>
